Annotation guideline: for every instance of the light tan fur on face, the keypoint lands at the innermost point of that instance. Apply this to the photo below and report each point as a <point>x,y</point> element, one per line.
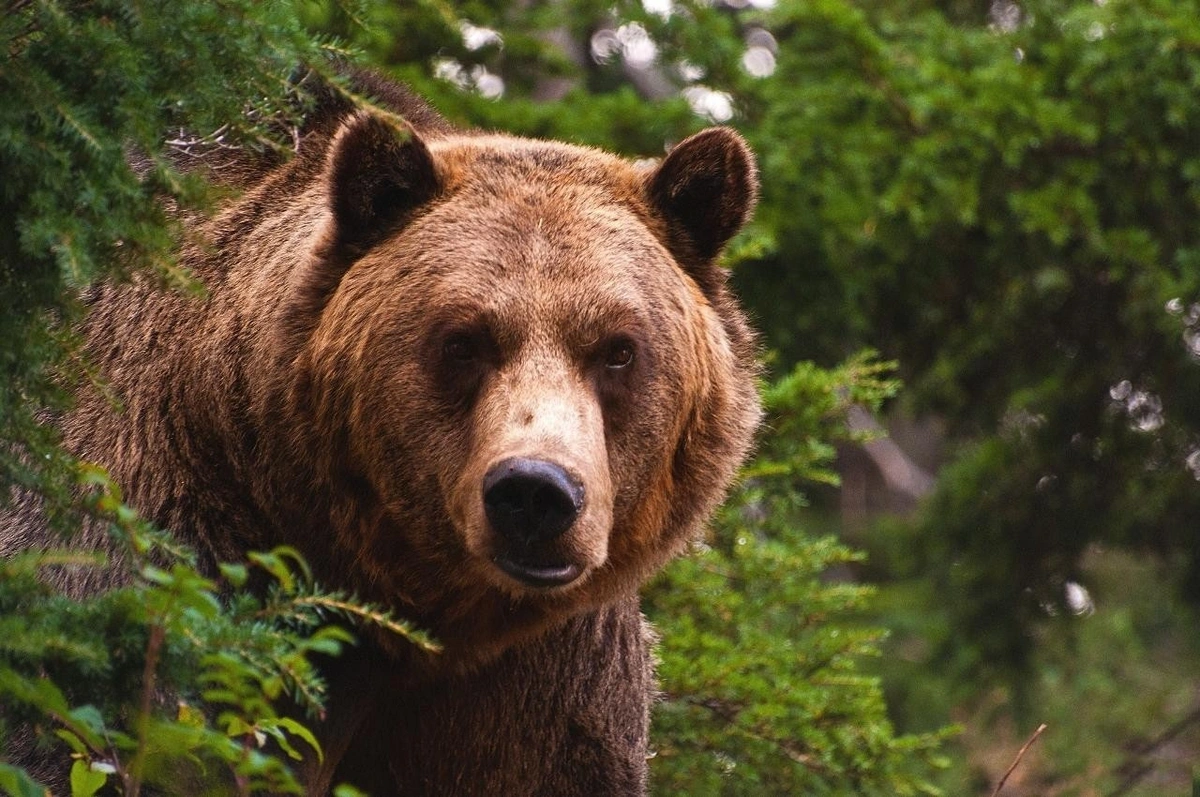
<point>543,411</point>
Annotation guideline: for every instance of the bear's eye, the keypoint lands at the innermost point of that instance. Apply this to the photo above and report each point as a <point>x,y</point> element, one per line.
<point>619,355</point>
<point>460,348</point>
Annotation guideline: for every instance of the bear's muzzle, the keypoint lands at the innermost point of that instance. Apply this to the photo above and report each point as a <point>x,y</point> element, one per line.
<point>529,503</point>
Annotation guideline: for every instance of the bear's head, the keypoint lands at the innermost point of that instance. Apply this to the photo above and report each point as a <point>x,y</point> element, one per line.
<point>522,361</point>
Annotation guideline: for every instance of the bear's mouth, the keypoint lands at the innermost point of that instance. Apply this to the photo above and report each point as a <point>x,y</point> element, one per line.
<point>541,575</point>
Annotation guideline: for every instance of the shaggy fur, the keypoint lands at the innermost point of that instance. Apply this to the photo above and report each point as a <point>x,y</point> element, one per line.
<point>389,315</point>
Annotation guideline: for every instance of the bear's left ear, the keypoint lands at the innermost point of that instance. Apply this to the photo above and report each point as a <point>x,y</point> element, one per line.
<point>705,189</point>
<point>378,173</point>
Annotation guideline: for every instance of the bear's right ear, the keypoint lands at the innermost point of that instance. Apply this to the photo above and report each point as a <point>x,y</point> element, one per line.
<point>378,173</point>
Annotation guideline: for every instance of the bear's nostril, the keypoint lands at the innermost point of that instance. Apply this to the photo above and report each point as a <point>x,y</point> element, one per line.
<point>530,501</point>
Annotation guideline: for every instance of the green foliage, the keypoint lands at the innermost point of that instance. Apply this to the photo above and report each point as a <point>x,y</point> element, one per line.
<point>549,90</point>
<point>1114,683</point>
<point>1007,210</point>
<point>84,84</point>
<point>174,678</point>
<point>763,691</point>
<point>760,651</point>
<point>807,410</point>
<point>16,781</point>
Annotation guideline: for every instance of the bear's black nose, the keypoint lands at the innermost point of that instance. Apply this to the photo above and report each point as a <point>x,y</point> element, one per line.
<point>530,501</point>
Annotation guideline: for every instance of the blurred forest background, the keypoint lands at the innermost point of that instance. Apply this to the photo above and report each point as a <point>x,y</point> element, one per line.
<point>976,267</point>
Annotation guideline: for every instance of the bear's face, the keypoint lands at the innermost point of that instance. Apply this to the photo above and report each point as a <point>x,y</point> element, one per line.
<point>523,365</point>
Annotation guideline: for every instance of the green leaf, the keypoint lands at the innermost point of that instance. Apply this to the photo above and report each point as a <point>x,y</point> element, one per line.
<point>73,741</point>
<point>39,692</point>
<point>235,574</point>
<point>90,718</point>
<point>85,781</point>
<point>17,783</point>
<point>297,729</point>
<point>346,790</point>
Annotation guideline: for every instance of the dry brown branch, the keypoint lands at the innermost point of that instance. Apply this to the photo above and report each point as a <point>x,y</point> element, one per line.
<point>1020,754</point>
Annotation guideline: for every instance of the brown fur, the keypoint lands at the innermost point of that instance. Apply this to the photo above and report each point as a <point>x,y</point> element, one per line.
<point>388,316</point>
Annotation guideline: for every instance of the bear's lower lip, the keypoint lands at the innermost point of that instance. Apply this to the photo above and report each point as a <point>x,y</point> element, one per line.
<point>538,575</point>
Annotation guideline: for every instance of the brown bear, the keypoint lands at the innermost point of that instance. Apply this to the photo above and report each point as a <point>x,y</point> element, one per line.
<point>493,383</point>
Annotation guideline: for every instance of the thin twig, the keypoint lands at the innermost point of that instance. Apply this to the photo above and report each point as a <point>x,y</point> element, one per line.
<point>158,633</point>
<point>1017,760</point>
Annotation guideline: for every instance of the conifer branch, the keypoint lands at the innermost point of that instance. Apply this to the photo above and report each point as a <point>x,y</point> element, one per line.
<point>372,615</point>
